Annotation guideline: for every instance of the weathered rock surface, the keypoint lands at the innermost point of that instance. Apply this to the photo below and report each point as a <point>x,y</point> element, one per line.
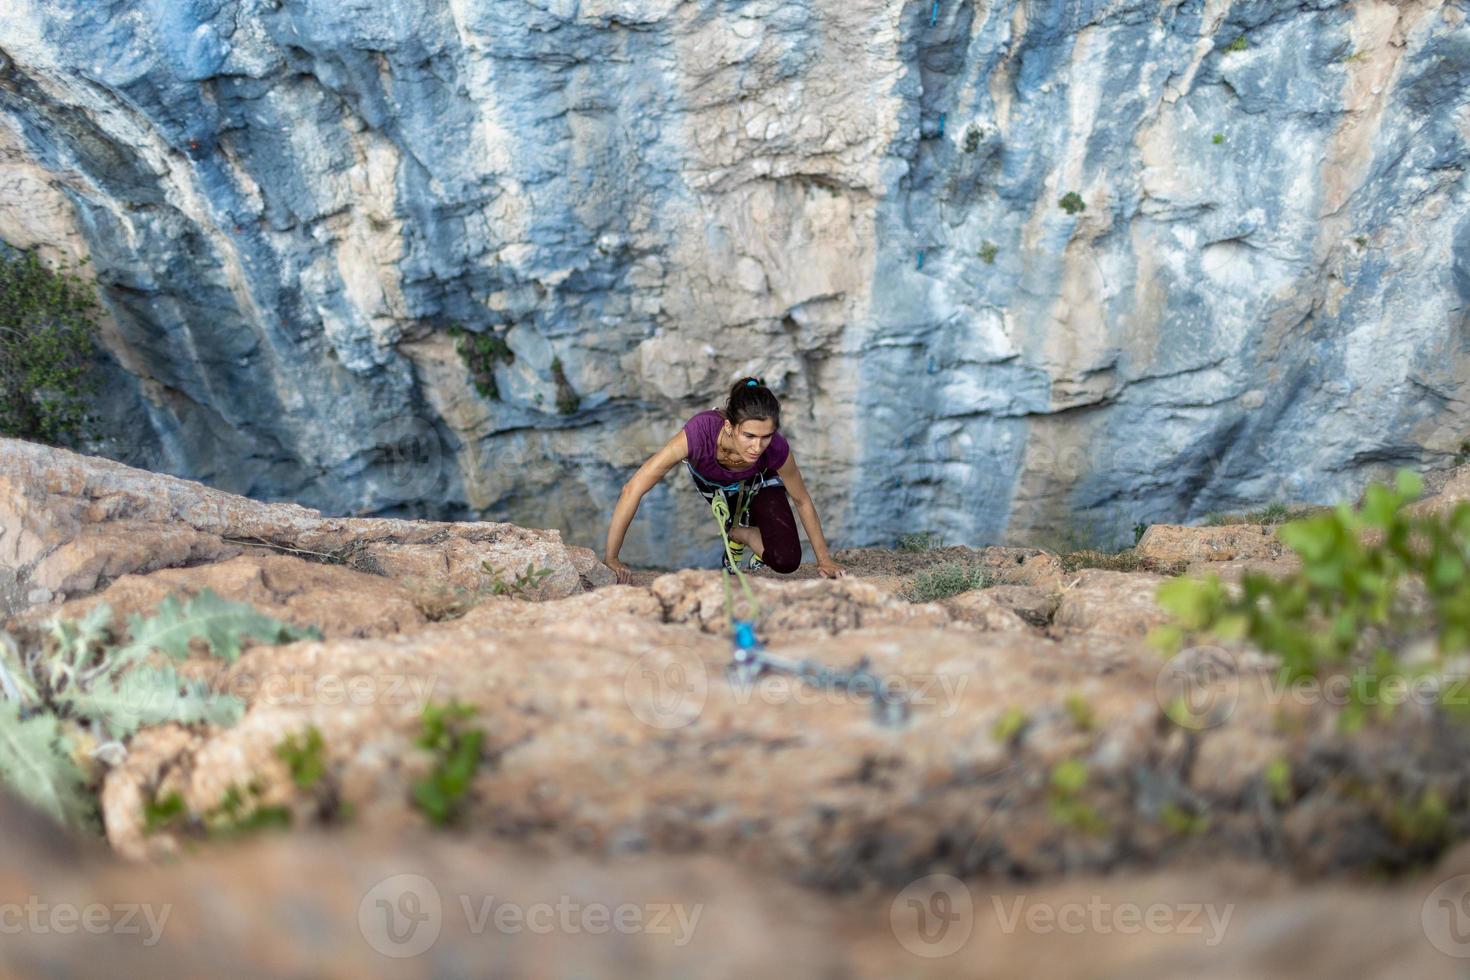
<point>308,905</point>
<point>645,200</point>
<point>1106,602</point>
<point>614,731</point>
<point>1172,543</point>
<point>70,524</point>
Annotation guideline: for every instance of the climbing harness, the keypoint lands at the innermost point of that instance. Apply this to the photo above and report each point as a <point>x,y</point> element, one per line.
<point>750,659</point>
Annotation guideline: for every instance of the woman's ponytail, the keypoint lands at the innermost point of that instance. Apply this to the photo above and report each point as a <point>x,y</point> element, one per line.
<point>751,399</point>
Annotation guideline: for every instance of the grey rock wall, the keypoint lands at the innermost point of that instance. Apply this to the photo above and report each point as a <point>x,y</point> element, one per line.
<point>288,205</point>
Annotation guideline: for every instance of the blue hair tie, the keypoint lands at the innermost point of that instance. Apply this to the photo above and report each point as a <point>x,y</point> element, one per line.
<point>751,383</point>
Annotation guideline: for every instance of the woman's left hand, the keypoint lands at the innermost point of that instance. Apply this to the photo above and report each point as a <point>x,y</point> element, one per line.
<point>827,568</point>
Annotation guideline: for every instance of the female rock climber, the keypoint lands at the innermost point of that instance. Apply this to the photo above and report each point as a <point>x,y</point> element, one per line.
<point>738,444</point>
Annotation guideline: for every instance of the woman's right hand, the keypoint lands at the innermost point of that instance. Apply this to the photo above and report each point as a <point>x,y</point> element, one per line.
<point>623,572</point>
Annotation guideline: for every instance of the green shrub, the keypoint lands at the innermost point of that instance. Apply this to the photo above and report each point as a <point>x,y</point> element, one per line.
<point>1009,725</point>
<point>1072,203</point>
<point>86,684</point>
<point>1183,822</point>
<point>480,353</point>
<point>919,541</point>
<point>1080,712</point>
<point>521,586</point>
<point>1272,514</point>
<point>457,752</point>
<point>46,350</point>
<point>1278,781</point>
<point>988,252</point>
<point>304,756</point>
<point>1064,798</point>
<point>972,138</point>
<point>943,581</point>
<point>1239,44</point>
<point>1218,138</point>
<point>1375,583</point>
<point>1126,560</point>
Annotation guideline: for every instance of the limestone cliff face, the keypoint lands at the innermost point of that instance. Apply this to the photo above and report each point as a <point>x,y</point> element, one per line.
<point>287,205</point>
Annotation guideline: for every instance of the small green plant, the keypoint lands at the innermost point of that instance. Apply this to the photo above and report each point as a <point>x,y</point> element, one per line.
<point>943,581</point>
<point>87,685</point>
<point>47,348</point>
<point>1362,241</point>
<point>239,813</point>
<point>480,353</point>
<point>1139,530</point>
<point>972,138</point>
<point>1080,712</point>
<point>567,400</point>
<point>521,586</point>
<point>1351,611</point>
<point>1126,560</point>
<point>305,757</point>
<point>456,749</point>
<point>1424,822</point>
<point>1271,515</point>
<point>1278,781</point>
<point>1237,45</point>
<point>1218,138</point>
<point>166,813</point>
<point>988,252</point>
<point>1064,798</point>
<point>1462,455</point>
<point>1182,822</point>
<point>1072,203</point>
<point>1009,725</point>
<point>919,541</point>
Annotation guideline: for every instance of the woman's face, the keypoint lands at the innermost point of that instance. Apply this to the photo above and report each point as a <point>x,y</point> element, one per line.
<point>751,437</point>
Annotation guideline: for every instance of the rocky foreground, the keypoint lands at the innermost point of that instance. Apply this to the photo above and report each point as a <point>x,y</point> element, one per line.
<point>738,827</point>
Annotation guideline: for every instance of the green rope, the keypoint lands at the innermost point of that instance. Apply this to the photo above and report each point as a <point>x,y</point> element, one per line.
<point>720,507</point>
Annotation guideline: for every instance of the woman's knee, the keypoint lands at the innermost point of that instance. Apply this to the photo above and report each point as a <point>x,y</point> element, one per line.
<point>782,560</point>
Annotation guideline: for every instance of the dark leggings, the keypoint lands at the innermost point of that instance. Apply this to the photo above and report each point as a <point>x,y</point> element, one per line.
<point>770,511</point>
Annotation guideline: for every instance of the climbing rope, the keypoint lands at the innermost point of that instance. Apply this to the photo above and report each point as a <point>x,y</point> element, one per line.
<point>750,659</point>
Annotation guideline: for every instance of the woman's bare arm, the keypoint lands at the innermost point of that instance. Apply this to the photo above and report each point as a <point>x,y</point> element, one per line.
<point>801,502</point>
<point>648,475</point>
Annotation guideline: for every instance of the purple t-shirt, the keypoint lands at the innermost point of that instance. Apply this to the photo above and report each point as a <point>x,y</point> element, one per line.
<point>703,432</point>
